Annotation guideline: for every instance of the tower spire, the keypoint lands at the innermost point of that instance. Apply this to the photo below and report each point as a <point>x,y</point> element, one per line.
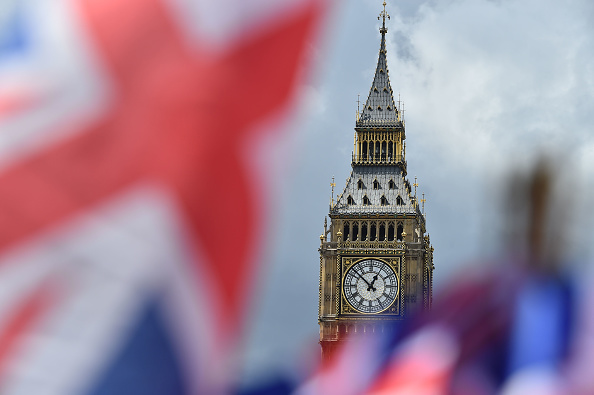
<point>380,109</point>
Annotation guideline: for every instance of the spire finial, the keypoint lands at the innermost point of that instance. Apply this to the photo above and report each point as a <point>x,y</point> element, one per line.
<point>383,15</point>
<point>415,185</point>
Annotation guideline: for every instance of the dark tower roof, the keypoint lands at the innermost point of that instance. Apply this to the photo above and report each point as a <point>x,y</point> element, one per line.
<point>380,109</point>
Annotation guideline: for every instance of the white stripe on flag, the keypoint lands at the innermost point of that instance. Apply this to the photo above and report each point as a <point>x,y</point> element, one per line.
<point>110,261</point>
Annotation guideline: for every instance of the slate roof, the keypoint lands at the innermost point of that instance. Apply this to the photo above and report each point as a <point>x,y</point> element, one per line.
<point>380,109</point>
<point>369,174</point>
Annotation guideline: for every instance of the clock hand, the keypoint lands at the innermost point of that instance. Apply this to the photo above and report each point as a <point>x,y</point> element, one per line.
<point>362,278</point>
<point>371,285</point>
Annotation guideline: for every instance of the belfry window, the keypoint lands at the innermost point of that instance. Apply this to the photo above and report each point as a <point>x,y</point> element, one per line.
<point>382,232</point>
<point>384,201</point>
<point>345,233</point>
<point>372,232</point>
<point>392,184</point>
<point>366,201</point>
<point>360,184</point>
<point>399,201</point>
<point>350,200</point>
<point>355,232</point>
<point>391,232</point>
<point>399,231</point>
<point>376,184</point>
<point>364,232</point>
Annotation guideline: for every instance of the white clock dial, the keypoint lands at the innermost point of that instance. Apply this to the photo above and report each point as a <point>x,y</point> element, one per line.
<point>370,286</point>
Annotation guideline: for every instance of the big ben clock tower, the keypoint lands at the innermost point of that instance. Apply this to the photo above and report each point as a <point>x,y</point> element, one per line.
<point>376,260</point>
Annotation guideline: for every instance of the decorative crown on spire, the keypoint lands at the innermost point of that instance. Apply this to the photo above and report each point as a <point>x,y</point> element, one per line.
<point>383,15</point>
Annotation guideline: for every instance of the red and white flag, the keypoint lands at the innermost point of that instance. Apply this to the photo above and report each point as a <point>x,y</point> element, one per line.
<point>129,210</point>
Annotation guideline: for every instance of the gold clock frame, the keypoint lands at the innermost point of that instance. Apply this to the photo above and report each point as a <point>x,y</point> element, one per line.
<point>396,309</point>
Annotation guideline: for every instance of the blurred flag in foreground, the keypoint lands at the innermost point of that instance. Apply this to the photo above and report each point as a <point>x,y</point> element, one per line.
<point>522,326</point>
<point>129,215</point>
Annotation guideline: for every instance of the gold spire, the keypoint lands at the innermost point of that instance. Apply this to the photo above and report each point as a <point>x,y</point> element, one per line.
<point>383,15</point>
<point>415,185</point>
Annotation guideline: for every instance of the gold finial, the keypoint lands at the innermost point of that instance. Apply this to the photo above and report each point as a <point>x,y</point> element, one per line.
<point>415,185</point>
<point>383,15</point>
<point>423,202</point>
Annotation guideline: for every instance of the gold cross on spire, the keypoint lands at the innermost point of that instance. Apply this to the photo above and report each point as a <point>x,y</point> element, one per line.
<point>383,15</point>
<point>415,185</point>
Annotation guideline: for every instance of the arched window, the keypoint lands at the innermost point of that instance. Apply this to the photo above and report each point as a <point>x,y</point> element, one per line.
<point>382,232</point>
<point>399,201</point>
<point>390,151</point>
<point>392,184</point>
<point>364,150</point>
<point>350,200</point>
<point>345,231</point>
<point>364,232</point>
<point>376,184</point>
<point>399,231</point>
<point>373,232</point>
<point>355,231</point>
<point>384,201</point>
<point>366,201</point>
<point>360,184</point>
<point>384,150</point>
<point>391,232</point>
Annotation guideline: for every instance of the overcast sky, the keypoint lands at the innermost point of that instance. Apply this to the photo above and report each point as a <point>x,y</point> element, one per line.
<point>486,86</point>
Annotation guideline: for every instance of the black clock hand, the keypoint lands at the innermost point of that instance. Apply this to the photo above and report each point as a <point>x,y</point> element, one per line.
<point>362,278</point>
<point>371,285</point>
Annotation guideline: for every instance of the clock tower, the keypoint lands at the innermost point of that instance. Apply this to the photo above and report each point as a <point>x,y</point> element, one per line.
<point>376,260</point>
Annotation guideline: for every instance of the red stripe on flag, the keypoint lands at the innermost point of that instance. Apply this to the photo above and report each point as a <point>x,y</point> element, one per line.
<point>27,313</point>
<point>180,117</point>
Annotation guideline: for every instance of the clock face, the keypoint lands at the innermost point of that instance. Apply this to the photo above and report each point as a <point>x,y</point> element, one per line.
<point>370,286</point>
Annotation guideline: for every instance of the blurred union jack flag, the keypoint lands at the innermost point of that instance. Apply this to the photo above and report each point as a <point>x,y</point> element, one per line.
<point>129,214</point>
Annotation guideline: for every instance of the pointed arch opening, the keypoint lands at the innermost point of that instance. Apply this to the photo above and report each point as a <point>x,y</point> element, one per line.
<point>382,232</point>
<point>345,231</point>
<point>363,232</point>
<point>350,201</point>
<point>399,201</point>
<point>384,201</point>
<point>360,184</point>
<point>355,232</point>
<point>399,231</point>
<point>391,231</point>
<point>366,201</point>
<point>391,184</point>
<point>364,151</point>
<point>376,184</point>
<point>372,232</point>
